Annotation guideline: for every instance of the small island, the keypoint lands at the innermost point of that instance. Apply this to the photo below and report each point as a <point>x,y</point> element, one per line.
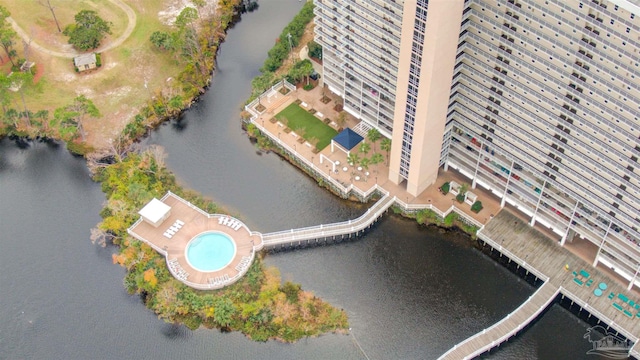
<point>166,59</point>
<point>257,304</point>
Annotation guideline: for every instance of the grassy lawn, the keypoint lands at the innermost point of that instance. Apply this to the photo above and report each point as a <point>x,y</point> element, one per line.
<point>118,88</point>
<point>306,125</point>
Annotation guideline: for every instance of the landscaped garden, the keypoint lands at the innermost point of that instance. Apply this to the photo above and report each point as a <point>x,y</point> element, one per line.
<point>307,125</point>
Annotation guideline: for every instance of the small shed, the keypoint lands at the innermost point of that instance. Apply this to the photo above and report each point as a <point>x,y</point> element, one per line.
<point>85,62</point>
<point>155,212</point>
<point>346,140</point>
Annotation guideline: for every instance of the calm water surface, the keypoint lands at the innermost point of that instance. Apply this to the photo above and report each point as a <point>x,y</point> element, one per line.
<point>410,293</point>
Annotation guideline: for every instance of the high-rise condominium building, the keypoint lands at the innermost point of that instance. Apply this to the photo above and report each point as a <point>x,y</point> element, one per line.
<point>535,100</point>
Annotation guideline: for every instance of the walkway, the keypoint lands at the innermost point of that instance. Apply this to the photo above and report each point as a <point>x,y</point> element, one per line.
<point>505,328</point>
<point>543,257</point>
<point>329,231</point>
<point>131,15</point>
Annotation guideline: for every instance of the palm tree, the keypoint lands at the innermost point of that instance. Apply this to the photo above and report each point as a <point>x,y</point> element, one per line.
<point>365,165</point>
<point>385,145</point>
<point>353,159</point>
<point>376,159</point>
<point>373,135</point>
<point>365,147</point>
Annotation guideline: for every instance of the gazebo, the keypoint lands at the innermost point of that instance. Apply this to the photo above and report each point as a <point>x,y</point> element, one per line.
<point>155,212</point>
<point>346,140</point>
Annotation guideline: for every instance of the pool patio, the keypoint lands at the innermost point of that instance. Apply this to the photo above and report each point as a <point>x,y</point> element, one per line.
<point>195,222</point>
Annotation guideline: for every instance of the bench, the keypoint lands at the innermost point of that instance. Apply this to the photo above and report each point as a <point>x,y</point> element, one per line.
<point>617,306</point>
<point>577,281</point>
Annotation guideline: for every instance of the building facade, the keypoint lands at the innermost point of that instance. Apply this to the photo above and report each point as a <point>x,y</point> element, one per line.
<point>537,101</point>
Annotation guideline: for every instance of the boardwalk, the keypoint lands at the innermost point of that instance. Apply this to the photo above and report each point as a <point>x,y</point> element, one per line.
<point>329,231</point>
<point>546,259</point>
<point>505,328</point>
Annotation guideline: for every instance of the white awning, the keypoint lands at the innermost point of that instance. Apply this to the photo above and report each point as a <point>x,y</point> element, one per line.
<point>155,211</point>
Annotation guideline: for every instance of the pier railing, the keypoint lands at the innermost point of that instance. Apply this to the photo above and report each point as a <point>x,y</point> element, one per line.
<point>345,190</point>
<point>204,213</point>
<point>494,336</point>
<point>329,230</point>
<point>250,107</point>
<point>583,304</point>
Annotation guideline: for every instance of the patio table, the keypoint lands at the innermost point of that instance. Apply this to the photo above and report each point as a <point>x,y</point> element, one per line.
<point>602,286</point>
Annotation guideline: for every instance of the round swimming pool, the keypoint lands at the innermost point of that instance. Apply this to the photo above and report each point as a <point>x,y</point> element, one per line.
<point>210,251</point>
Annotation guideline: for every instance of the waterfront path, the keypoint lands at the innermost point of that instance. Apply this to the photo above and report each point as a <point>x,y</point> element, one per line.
<point>505,328</point>
<point>343,229</point>
<point>546,259</point>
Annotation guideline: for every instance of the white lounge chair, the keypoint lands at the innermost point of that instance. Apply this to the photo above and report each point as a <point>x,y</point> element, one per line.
<point>180,222</point>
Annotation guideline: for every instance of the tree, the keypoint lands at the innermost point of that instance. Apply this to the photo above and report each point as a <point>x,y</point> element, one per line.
<point>376,159</point>
<point>315,50</point>
<point>7,34</point>
<point>22,80</point>
<point>161,39</point>
<point>71,117</point>
<point>373,135</point>
<point>47,4</point>
<point>353,159</point>
<point>306,68</point>
<point>365,147</point>
<point>261,83</point>
<point>365,162</point>
<point>224,311</point>
<point>176,103</point>
<point>88,30</point>
<point>385,145</point>
<point>5,93</point>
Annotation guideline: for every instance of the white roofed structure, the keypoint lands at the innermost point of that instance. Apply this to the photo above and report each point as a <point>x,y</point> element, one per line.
<point>155,212</point>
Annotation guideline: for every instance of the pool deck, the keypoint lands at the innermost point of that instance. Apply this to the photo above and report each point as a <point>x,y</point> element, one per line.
<point>196,222</point>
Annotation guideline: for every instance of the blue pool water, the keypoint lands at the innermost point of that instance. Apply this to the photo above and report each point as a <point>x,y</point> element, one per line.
<point>210,251</point>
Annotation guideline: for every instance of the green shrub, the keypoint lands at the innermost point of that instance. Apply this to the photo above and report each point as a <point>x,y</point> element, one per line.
<point>315,50</point>
<point>291,291</point>
<point>308,87</point>
<point>460,197</point>
<point>98,59</point>
<point>427,216</point>
<point>450,219</point>
<point>476,207</point>
<point>295,28</point>
<point>445,188</point>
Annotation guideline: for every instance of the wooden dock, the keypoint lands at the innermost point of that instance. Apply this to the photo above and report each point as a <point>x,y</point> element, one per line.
<point>505,328</point>
<point>328,232</point>
<point>547,260</point>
